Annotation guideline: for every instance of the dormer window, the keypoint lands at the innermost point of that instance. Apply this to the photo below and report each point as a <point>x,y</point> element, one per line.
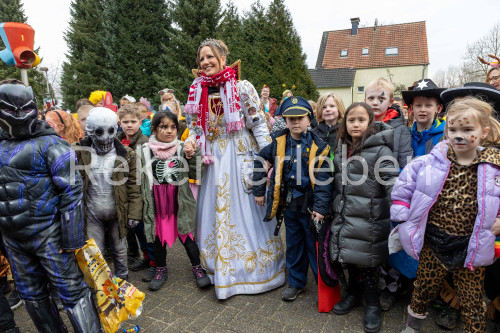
<point>365,51</point>
<point>390,51</point>
<point>343,53</point>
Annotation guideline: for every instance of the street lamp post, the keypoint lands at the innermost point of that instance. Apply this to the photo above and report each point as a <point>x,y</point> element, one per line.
<point>46,70</point>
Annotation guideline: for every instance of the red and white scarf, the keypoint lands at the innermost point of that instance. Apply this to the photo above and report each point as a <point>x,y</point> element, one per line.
<point>197,104</point>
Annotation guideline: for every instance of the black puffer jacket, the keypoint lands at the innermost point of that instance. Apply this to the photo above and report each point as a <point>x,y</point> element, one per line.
<point>326,133</point>
<point>402,150</point>
<point>39,188</point>
<point>361,222</point>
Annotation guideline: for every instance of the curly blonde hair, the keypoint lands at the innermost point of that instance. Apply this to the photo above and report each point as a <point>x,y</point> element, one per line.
<point>71,131</point>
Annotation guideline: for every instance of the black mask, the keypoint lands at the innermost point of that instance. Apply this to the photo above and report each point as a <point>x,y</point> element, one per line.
<point>18,110</point>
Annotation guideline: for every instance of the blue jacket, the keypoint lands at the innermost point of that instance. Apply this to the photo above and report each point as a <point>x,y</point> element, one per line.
<point>423,142</point>
<point>276,149</point>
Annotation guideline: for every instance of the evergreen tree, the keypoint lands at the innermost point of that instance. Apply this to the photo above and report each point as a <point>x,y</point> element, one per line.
<point>231,32</point>
<point>83,72</point>
<point>13,11</point>
<point>255,55</point>
<point>286,61</point>
<point>193,22</point>
<point>134,34</point>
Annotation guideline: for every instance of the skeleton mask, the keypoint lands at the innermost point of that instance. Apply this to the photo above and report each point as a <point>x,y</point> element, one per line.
<point>101,128</point>
<point>18,110</point>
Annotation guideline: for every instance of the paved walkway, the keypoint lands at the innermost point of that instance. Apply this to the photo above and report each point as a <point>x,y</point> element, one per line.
<point>181,307</point>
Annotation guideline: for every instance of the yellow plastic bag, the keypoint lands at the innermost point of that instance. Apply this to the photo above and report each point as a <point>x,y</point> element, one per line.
<point>117,299</point>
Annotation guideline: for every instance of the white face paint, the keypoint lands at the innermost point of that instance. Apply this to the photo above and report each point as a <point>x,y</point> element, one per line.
<point>101,127</point>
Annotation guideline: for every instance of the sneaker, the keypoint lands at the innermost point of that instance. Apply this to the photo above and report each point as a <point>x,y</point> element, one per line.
<point>139,265</point>
<point>386,300</point>
<point>202,280</point>
<point>150,274</point>
<point>290,293</point>
<point>14,300</point>
<point>160,277</point>
<point>447,318</point>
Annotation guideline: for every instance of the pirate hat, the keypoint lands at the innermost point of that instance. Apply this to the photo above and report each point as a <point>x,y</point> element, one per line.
<point>424,87</point>
<point>481,90</point>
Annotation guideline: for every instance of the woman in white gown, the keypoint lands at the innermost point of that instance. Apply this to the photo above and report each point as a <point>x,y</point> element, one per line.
<point>238,250</point>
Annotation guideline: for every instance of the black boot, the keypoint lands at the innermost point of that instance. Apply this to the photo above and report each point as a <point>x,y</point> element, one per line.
<point>45,316</point>
<point>83,316</point>
<point>373,318</point>
<point>346,304</point>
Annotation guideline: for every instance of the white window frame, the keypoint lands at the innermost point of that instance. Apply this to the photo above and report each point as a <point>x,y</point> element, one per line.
<point>361,89</point>
<point>344,53</point>
<point>392,51</point>
<point>365,51</point>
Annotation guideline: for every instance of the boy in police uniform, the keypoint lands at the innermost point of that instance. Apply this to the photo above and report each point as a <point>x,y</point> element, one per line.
<point>297,156</point>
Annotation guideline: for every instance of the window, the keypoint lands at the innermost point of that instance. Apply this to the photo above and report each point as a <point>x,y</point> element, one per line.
<point>343,53</point>
<point>391,51</point>
<point>361,90</point>
<point>364,51</point>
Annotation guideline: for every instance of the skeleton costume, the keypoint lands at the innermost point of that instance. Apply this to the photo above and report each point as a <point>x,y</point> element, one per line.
<point>41,213</point>
<point>112,196</point>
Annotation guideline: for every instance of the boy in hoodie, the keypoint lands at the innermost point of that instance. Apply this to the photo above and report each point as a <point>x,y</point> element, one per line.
<point>425,103</point>
<point>290,193</point>
<point>380,96</point>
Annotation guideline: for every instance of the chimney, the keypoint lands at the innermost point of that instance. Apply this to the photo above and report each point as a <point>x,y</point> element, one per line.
<point>355,24</point>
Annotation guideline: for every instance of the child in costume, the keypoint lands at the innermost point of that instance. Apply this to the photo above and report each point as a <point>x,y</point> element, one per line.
<point>294,149</point>
<point>144,107</point>
<point>112,196</point>
<point>129,117</point>
<point>448,201</point>
<point>361,224</point>
<point>379,95</point>
<point>330,110</point>
<point>41,214</point>
<point>169,204</point>
<point>425,104</point>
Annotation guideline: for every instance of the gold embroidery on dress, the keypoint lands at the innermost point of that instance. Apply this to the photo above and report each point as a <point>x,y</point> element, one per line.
<point>225,245</point>
<point>241,147</point>
<point>253,144</point>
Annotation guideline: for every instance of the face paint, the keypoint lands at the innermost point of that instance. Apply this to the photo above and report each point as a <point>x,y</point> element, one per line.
<point>383,93</point>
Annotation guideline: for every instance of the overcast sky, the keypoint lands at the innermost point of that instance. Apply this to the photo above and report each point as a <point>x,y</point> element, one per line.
<point>451,24</point>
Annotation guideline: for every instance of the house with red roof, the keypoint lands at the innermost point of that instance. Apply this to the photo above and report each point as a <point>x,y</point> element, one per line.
<point>350,59</point>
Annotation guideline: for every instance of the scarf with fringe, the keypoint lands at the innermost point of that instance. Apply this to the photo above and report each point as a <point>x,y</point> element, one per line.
<point>198,105</point>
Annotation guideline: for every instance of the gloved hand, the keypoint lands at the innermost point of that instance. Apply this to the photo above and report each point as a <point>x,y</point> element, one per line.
<point>131,223</point>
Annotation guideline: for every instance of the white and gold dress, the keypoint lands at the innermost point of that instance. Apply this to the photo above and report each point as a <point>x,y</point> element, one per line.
<point>238,250</point>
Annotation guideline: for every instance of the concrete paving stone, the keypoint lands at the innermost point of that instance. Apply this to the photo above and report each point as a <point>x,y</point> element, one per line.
<point>314,325</point>
<point>185,310</point>
<point>201,321</point>
<point>243,326</point>
<point>163,315</point>
<point>156,327</point>
<point>181,324</point>
<point>268,325</point>
<point>214,328</point>
<point>270,307</point>
<point>226,316</point>
<point>290,318</point>
<point>248,312</point>
<point>292,329</point>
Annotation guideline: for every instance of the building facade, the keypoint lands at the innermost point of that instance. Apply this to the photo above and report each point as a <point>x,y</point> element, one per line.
<point>349,59</point>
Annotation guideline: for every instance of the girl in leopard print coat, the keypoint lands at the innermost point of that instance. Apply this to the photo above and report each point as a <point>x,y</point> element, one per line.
<point>448,201</point>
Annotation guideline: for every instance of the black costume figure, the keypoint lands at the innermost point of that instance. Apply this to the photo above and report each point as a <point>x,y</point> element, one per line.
<point>41,215</point>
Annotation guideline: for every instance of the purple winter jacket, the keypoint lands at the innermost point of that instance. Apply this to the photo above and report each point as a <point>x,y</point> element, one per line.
<point>413,198</point>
